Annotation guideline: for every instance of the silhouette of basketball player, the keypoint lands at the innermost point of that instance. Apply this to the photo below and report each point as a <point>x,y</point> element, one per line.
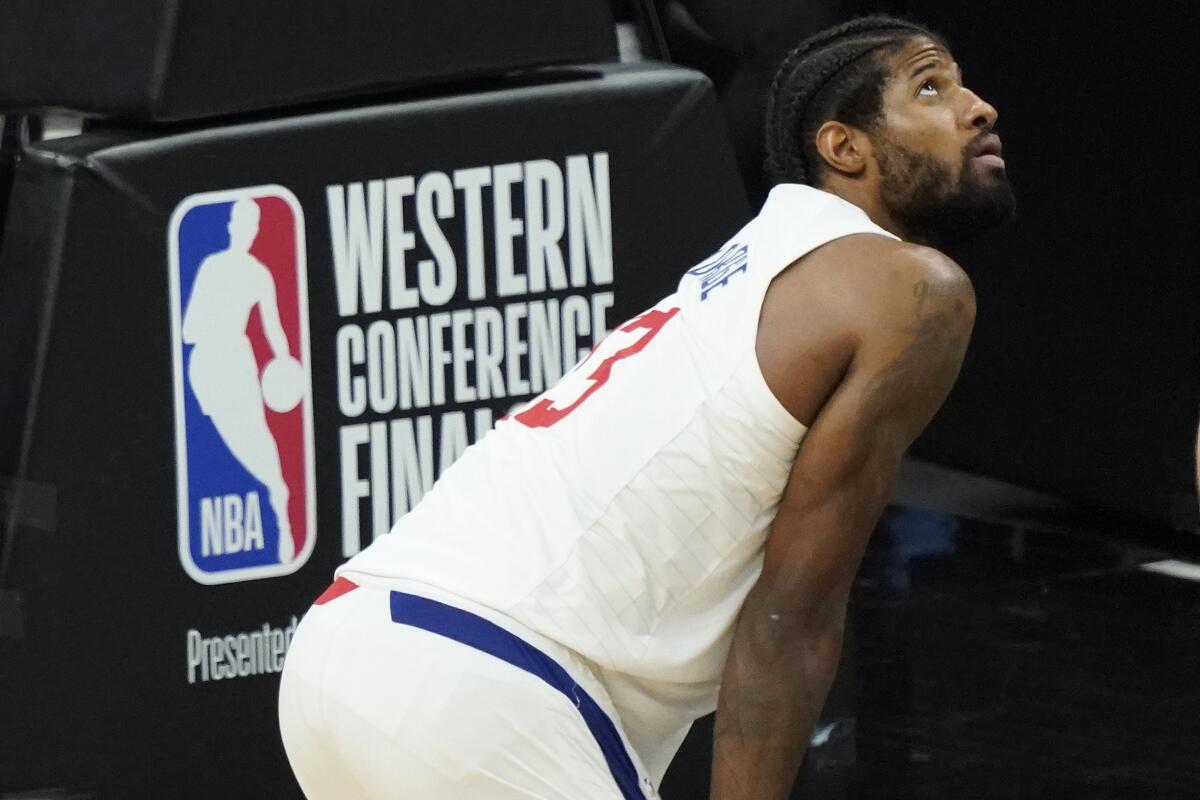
<point>222,370</point>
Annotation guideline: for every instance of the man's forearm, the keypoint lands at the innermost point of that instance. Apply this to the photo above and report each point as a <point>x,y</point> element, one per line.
<point>776,679</point>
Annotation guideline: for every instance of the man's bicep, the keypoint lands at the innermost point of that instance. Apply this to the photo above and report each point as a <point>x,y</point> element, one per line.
<point>889,395</point>
<point>911,327</point>
<point>846,463</point>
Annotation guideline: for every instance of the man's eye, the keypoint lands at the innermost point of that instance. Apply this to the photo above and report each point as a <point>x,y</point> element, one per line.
<point>928,89</point>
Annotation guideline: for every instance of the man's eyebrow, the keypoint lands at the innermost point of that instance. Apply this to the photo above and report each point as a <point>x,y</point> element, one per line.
<point>926,67</point>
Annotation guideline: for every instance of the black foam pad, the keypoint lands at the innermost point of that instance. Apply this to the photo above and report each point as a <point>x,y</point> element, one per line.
<point>100,222</point>
<point>188,59</point>
<point>8,150</point>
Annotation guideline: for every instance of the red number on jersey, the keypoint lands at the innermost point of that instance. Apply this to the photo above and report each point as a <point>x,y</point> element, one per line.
<point>578,385</point>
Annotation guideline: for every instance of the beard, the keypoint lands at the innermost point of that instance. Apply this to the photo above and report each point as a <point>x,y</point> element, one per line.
<point>932,208</point>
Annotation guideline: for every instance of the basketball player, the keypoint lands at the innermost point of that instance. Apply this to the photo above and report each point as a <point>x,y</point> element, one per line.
<point>676,525</point>
<point>222,370</point>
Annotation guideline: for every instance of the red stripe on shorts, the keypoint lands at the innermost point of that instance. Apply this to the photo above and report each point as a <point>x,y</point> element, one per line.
<point>336,589</point>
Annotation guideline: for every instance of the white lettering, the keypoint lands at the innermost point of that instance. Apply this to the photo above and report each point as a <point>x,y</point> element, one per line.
<point>230,524</point>
<point>237,655</point>
<point>545,351</point>
<point>370,218</point>
<point>243,655</point>
<point>352,397</point>
<point>253,523</point>
<point>576,322</point>
<point>544,228</point>
<point>589,219</point>
<point>437,282</point>
<point>471,182</point>
<point>195,657</point>
<point>489,351</point>
<point>514,348</point>
<point>439,355</point>
<point>507,228</point>
<point>356,232</point>
<point>234,536</point>
<point>381,366</point>
<point>381,521</point>
<point>278,649</point>
<point>412,462</point>
<point>229,645</point>
<point>354,488</point>
<point>412,337</point>
<point>463,391</point>
<point>211,510</point>
<point>400,241</point>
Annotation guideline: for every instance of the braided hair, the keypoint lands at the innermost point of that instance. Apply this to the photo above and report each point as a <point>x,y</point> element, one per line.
<point>828,76</point>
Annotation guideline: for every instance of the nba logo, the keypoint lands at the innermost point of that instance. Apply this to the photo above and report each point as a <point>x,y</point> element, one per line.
<point>243,394</point>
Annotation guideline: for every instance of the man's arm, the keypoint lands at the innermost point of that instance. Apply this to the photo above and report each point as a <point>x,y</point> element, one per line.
<point>788,637</point>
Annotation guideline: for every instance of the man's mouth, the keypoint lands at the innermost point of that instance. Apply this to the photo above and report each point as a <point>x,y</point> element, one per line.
<point>988,150</point>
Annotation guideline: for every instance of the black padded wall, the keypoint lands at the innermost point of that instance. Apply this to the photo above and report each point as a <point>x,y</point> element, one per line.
<point>187,59</point>
<point>116,674</point>
<point>8,151</point>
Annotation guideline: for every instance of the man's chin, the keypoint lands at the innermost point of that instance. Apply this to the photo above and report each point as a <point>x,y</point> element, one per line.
<point>990,202</point>
<point>962,219</point>
<point>1003,203</point>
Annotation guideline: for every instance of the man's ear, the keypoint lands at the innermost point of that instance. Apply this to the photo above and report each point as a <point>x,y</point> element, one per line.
<point>844,148</point>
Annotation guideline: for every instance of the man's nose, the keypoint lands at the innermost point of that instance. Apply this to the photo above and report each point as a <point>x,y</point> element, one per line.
<point>980,114</point>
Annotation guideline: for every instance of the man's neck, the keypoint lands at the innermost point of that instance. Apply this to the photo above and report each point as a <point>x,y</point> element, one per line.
<point>867,198</point>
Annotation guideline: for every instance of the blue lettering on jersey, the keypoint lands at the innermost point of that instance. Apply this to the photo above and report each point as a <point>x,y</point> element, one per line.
<point>717,270</point>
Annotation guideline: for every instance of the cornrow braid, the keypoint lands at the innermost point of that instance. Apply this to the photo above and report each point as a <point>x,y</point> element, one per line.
<point>828,76</point>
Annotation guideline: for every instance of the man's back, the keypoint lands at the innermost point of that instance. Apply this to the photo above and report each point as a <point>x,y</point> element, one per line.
<point>623,513</point>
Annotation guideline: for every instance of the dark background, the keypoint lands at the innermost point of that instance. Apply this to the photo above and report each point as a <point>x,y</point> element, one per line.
<point>1083,374</point>
<point>1082,379</point>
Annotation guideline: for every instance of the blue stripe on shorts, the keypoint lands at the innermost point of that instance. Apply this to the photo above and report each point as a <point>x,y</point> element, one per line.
<point>474,631</point>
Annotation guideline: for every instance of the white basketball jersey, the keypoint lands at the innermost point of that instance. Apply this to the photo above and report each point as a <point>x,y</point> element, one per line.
<point>623,513</point>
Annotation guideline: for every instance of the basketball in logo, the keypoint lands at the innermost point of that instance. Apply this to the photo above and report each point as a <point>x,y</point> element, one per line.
<point>243,395</point>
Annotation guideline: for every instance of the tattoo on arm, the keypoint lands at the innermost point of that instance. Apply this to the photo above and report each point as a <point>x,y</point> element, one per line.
<point>933,354</point>
<point>928,288</point>
<point>924,290</point>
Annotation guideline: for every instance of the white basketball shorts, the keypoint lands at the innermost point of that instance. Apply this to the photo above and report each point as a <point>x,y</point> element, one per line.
<point>410,694</point>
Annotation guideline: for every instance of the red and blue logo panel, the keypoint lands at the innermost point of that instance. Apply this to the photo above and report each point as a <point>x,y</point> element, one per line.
<point>243,389</point>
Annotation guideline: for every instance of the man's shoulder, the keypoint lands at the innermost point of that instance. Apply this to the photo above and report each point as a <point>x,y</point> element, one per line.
<point>886,280</point>
<point>871,257</point>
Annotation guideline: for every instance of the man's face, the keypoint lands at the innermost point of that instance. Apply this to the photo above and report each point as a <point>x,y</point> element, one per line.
<point>941,175</point>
